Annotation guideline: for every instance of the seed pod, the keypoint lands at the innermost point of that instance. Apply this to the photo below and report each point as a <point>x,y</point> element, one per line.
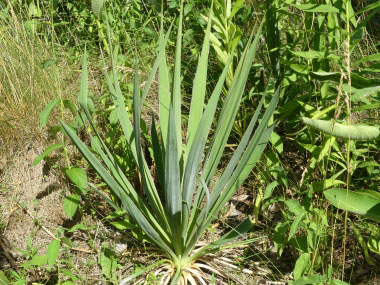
<point>353,132</point>
<point>97,7</point>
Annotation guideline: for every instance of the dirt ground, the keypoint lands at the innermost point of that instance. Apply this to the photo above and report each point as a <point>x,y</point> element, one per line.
<point>31,204</point>
<point>31,199</point>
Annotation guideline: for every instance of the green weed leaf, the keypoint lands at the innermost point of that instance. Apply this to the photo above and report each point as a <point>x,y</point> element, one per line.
<point>78,176</point>
<point>38,260</point>
<point>315,8</point>
<point>374,244</point>
<point>296,224</point>
<point>310,54</point>
<point>70,205</point>
<point>365,203</point>
<point>301,265</point>
<point>269,189</point>
<point>53,252</point>
<point>50,149</point>
<point>353,132</point>
<point>108,262</point>
<point>44,115</point>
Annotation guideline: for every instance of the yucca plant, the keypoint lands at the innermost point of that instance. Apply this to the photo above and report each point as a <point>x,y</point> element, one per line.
<point>193,189</point>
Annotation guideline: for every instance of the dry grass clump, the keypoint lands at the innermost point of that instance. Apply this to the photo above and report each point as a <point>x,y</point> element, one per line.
<point>30,76</point>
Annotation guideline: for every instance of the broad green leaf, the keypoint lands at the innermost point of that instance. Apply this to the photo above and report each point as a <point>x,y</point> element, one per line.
<point>368,163</point>
<point>78,176</point>
<point>351,14</point>
<point>97,7</point>
<point>123,225</point>
<point>319,186</point>
<point>316,8</point>
<point>357,80</point>
<point>50,149</point>
<point>301,265</point>
<point>44,115</point>
<point>237,6</point>
<point>374,244</point>
<point>300,68</point>
<point>38,260</point>
<point>296,224</point>
<point>70,205</point>
<point>67,241</point>
<point>365,203</point>
<point>71,106</point>
<point>294,207</point>
<point>79,227</point>
<point>53,252</point>
<point>269,189</point>
<point>188,7</point>
<point>357,36</point>
<point>107,262</point>
<point>277,142</point>
<point>354,132</point>
<point>359,94</point>
<point>310,54</point>
<point>279,237</point>
<point>48,63</point>
<point>310,279</point>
